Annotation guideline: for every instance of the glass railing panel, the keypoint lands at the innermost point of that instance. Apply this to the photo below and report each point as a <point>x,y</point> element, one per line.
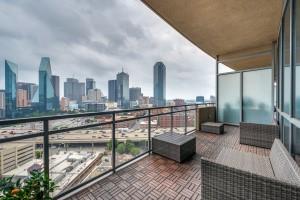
<point>131,139</point>
<point>191,120</point>
<point>78,156</point>
<point>61,124</point>
<point>8,131</point>
<point>179,122</point>
<point>20,158</point>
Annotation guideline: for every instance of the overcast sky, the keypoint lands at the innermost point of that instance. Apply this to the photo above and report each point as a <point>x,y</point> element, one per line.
<point>96,38</point>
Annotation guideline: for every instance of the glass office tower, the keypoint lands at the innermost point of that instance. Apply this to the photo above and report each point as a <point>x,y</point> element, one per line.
<point>11,77</point>
<point>46,89</point>
<point>112,90</point>
<point>123,89</point>
<point>159,76</point>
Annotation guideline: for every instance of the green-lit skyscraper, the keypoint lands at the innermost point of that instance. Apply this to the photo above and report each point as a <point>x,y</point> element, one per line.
<point>11,77</point>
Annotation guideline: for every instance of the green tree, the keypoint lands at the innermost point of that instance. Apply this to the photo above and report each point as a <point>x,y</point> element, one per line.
<point>135,151</point>
<point>129,146</point>
<point>38,154</point>
<point>121,148</point>
<point>109,144</point>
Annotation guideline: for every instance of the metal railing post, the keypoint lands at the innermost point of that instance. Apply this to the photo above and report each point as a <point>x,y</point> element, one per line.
<point>185,119</point>
<point>46,150</point>
<point>172,119</point>
<point>113,144</point>
<point>149,131</point>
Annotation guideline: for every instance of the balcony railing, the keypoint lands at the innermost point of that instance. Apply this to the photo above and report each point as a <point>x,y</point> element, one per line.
<point>77,149</point>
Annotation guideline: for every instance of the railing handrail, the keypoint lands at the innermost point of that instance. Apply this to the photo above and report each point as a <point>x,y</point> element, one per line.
<point>46,132</point>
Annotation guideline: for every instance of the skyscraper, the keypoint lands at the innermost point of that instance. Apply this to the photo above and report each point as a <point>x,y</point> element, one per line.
<point>112,90</point>
<point>159,79</point>
<point>2,104</point>
<point>11,77</point>
<point>46,89</point>
<point>95,95</point>
<point>22,98</point>
<point>55,83</point>
<point>74,90</point>
<point>123,89</point>
<point>31,89</point>
<point>135,93</point>
<point>90,84</point>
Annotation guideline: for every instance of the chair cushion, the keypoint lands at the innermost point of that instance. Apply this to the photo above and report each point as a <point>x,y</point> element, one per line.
<point>284,166</point>
<point>246,161</point>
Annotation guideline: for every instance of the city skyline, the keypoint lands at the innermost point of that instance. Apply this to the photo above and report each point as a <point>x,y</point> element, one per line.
<point>102,51</point>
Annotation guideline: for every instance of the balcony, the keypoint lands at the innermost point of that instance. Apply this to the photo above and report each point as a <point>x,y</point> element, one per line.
<point>156,177</point>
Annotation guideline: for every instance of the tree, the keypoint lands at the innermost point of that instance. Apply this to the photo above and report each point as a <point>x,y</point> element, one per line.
<point>109,144</point>
<point>38,154</point>
<point>121,148</point>
<point>129,146</point>
<point>135,151</point>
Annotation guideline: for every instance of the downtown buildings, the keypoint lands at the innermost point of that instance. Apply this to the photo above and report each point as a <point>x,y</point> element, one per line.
<point>159,84</point>
<point>74,90</point>
<point>112,91</point>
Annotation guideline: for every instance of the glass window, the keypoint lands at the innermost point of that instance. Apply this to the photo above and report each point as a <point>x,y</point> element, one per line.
<point>297,67</point>
<point>257,96</point>
<point>286,133</point>
<point>229,107</point>
<point>286,61</point>
<point>296,141</point>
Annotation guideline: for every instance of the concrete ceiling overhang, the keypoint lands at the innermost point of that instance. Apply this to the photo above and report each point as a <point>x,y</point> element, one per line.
<point>227,28</point>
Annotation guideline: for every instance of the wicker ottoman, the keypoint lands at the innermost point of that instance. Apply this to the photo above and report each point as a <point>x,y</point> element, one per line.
<point>212,127</point>
<point>175,146</point>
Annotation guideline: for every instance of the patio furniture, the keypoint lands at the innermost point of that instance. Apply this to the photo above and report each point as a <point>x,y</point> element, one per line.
<point>212,127</point>
<point>243,175</point>
<point>175,146</point>
<point>259,135</point>
<point>205,114</point>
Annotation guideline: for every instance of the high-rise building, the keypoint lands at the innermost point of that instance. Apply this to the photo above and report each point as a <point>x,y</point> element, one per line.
<point>64,104</point>
<point>31,89</point>
<point>199,99</point>
<point>2,104</point>
<point>159,80</point>
<point>2,99</point>
<point>89,84</point>
<point>112,91</point>
<point>135,93</point>
<point>22,100</point>
<point>123,89</point>
<point>11,77</point>
<point>46,89</point>
<point>179,102</point>
<point>55,83</point>
<point>74,90</point>
<point>94,95</point>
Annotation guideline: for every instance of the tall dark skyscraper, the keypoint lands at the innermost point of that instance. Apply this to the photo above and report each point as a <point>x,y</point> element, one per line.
<point>11,77</point>
<point>135,93</point>
<point>112,90</point>
<point>46,89</point>
<point>74,90</point>
<point>55,83</point>
<point>159,81</point>
<point>123,89</point>
<point>89,84</point>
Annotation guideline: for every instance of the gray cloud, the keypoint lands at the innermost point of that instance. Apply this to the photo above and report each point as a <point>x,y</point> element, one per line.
<point>96,39</point>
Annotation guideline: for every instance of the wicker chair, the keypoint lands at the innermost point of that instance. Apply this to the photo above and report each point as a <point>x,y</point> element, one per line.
<point>259,135</point>
<point>241,175</point>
